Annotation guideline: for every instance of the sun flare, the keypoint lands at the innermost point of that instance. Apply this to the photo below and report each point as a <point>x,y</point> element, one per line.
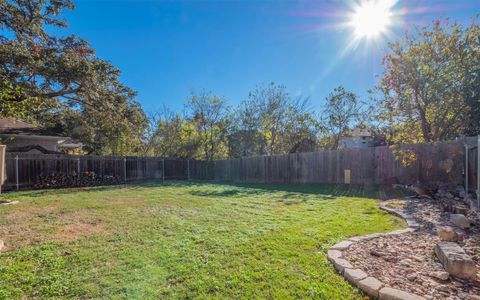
<point>371,18</point>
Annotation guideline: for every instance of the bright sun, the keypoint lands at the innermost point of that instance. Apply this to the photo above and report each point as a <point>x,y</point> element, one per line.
<point>371,18</point>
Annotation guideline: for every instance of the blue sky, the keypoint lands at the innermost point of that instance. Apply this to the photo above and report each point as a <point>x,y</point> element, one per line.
<point>167,48</point>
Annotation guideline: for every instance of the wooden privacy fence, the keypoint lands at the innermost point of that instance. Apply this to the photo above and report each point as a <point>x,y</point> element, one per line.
<point>435,163</point>
<point>29,170</point>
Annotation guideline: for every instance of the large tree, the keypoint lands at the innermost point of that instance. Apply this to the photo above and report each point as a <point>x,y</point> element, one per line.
<point>172,136</point>
<point>41,65</point>
<point>210,116</point>
<point>430,86</point>
<point>343,110</point>
<point>271,122</point>
<point>38,68</point>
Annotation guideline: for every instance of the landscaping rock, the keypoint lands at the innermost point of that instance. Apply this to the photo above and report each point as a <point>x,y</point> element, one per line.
<point>455,261</point>
<point>340,264</point>
<point>341,246</point>
<point>460,221</point>
<point>447,233</point>
<point>460,234</point>
<point>440,275</point>
<point>461,210</point>
<point>370,285</point>
<point>388,293</point>
<point>407,262</point>
<point>354,275</point>
<point>371,236</point>
<point>332,255</point>
<point>412,223</point>
<point>448,195</point>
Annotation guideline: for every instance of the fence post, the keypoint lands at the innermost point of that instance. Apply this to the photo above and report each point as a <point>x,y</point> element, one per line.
<point>163,170</point>
<point>78,168</point>
<point>125,170</point>
<point>188,169</point>
<point>478,172</point>
<point>466,172</point>
<point>16,173</point>
<point>145,172</point>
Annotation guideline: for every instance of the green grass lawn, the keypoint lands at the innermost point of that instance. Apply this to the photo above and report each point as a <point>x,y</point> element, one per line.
<point>182,240</point>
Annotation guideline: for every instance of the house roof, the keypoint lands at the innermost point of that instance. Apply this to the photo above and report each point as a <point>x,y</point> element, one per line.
<point>13,126</point>
<point>360,132</point>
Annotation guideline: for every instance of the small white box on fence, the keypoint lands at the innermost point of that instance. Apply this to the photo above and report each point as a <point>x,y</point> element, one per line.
<point>346,176</point>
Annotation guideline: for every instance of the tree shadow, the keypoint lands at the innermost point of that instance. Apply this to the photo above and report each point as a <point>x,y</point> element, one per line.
<point>228,193</point>
<point>327,191</point>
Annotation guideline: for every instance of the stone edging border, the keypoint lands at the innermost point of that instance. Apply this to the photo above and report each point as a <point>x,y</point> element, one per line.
<point>369,284</point>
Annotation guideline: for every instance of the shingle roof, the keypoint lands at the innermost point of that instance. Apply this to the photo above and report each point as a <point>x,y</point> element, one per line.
<point>13,126</point>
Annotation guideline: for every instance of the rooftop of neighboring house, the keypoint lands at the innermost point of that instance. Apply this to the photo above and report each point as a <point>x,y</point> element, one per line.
<point>359,132</point>
<point>11,126</point>
<point>25,137</point>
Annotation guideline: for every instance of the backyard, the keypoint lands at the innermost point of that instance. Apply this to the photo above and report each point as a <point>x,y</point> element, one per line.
<point>183,240</point>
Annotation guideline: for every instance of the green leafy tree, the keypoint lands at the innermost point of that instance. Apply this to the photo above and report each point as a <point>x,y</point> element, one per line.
<point>430,85</point>
<point>343,110</point>
<point>173,136</point>
<point>210,117</point>
<point>10,108</point>
<point>270,122</point>
<point>63,77</point>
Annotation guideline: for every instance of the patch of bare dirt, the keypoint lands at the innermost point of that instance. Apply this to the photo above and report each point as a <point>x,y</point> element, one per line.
<point>26,213</point>
<point>75,231</point>
<point>30,226</point>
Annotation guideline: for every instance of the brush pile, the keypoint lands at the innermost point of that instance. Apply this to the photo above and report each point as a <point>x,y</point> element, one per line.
<point>75,180</point>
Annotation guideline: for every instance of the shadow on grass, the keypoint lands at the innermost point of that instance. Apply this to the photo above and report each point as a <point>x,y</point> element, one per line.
<point>330,191</point>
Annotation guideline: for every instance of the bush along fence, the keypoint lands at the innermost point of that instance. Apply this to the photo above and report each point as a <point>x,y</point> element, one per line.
<point>29,171</point>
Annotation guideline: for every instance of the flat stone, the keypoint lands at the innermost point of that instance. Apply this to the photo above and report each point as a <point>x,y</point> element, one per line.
<point>455,261</point>
<point>355,239</point>
<point>394,212</point>
<point>371,236</point>
<point>449,195</point>
<point>342,245</point>
<point>354,275</point>
<point>460,220</point>
<point>401,231</point>
<point>447,233</point>
<point>460,234</point>
<point>340,264</point>
<point>412,223</point>
<point>440,275</point>
<point>388,293</point>
<point>370,285</point>
<point>333,254</point>
<point>461,210</point>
